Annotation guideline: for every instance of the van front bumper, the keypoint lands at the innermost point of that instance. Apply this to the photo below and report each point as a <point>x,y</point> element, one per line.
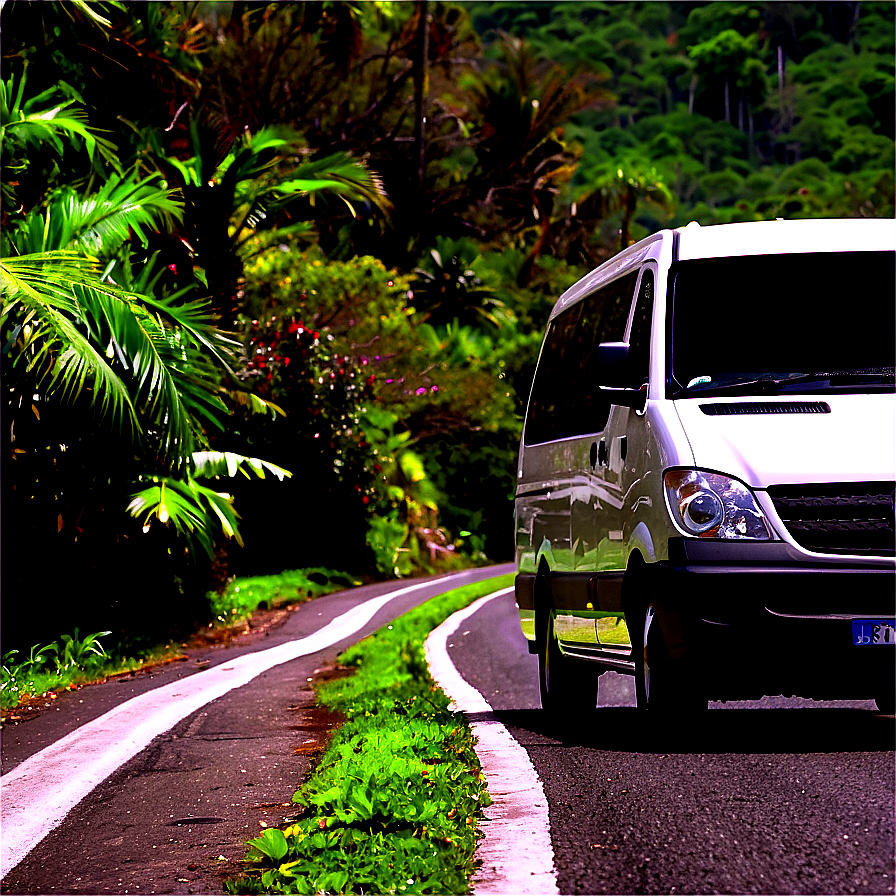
<point>758,623</point>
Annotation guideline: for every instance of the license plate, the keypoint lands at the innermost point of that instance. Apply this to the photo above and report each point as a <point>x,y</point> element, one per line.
<point>873,631</point>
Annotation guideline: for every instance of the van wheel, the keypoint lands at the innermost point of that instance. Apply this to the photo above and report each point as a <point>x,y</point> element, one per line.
<point>568,686</point>
<point>661,684</point>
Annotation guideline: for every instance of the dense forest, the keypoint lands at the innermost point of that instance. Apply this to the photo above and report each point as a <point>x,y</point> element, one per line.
<point>275,274</point>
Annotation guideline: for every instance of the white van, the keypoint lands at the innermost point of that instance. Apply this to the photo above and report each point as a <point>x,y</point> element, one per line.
<point>705,489</point>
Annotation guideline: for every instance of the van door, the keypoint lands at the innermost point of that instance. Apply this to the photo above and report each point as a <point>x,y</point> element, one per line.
<point>596,496</point>
<point>546,465</point>
<point>625,435</point>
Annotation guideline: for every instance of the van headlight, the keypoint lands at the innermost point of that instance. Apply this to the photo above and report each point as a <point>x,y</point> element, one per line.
<point>709,505</point>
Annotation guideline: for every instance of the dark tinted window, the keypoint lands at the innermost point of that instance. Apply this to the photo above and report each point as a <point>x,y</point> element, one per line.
<point>639,338</point>
<point>566,399</point>
<point>741,318</point>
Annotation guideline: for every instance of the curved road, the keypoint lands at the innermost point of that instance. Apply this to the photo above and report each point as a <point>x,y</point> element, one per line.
<point>779,796</point>
<point>773,796</point>
<point>153,784</point>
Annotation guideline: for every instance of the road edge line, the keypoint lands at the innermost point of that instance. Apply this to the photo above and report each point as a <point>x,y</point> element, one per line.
<point>516,852</point>
<point>27,822</point>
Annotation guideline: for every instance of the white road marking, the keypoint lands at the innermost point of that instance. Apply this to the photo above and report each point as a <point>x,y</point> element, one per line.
<point>516,852</point>
<point>42,790</point>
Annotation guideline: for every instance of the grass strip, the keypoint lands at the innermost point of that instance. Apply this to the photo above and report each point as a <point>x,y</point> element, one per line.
<point>243,596</point>
<point>394,803</point>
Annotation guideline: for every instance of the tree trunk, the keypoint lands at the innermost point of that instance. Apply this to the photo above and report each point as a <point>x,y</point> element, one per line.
<point>420,93</point>
<point>727,102</point>
<point>752,142</point>
<point>781,74</point>
<point>629,207</point>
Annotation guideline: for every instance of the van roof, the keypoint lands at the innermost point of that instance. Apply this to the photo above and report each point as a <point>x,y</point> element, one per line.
<point>777,237</point>
<point>787,237</point>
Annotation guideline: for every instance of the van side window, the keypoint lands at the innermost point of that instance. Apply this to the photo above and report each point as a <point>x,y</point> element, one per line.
<point>566,399</point>
<point>549,412</point>
<point>639,338</point>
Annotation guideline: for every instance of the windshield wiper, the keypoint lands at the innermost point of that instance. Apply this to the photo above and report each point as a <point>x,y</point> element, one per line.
<point>872,375</point>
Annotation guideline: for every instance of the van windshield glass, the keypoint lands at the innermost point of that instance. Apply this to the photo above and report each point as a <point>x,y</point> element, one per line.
<point>783,323</point>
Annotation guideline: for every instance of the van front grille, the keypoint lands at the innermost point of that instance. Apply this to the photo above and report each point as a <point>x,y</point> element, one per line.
<point>839,518</point>
<point>733,408</point>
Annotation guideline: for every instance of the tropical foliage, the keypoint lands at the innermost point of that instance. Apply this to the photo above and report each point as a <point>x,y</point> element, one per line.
<point>326,238</point>
<point>86,357</point>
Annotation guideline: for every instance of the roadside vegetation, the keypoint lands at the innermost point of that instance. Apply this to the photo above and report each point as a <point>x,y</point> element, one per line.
<point>243,596</point>
<point>284,308</point>
<point>395,801</point>
<point>73,661</point>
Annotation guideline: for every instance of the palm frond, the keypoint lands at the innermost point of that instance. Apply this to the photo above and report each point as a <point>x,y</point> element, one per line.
<point>193,510</point>
<point>38,295</point>
<point>169,384</point>
<point>79,363</point>
<point>207,464</point>
<point>44,278</point>
<point>93,14</point>
<point>184,512</point>
<point>189,171</point>
<point>255,404</point>
<point>100,222</point>
<point>44,120</point>
<point>338,173</point>
<point>197,319</point>
<point>156,341</point>
<point>257,154</point>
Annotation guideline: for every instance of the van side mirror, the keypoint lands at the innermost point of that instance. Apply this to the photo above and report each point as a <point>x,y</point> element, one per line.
<point>613,370</point>
<point>612,363</point>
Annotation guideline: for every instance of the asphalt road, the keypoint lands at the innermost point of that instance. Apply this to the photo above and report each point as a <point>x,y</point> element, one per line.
<point>175,817</point>
<point>773,796</point>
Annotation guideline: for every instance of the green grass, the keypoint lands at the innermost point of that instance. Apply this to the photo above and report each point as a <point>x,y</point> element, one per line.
<point>60,665</point>
<point>394,804</point>
<point>243,596</point>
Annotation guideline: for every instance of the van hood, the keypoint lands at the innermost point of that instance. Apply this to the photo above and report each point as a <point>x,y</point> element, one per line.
<point>855,442</point>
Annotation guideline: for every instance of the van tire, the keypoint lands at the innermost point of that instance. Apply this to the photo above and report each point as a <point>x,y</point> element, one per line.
<point>662,685</point>
<point>651,663</point>
<point>568,686</point>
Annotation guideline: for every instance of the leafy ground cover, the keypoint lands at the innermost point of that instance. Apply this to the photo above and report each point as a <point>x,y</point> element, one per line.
<point>394,803</point>
<point>244,595</point>
<point>61,664</point>
<point>72,661</point>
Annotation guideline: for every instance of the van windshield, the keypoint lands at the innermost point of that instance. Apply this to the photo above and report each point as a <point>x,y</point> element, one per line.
<point>783,323</point>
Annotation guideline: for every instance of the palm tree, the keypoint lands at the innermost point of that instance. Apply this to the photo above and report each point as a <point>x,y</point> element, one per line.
<point>80,328</point>
<point>72,329</point>
<point>619,190</point>
<point>235,187</point>
<point>523,162</point>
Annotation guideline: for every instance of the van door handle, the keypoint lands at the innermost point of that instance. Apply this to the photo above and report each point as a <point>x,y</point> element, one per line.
<point>593,454</point>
